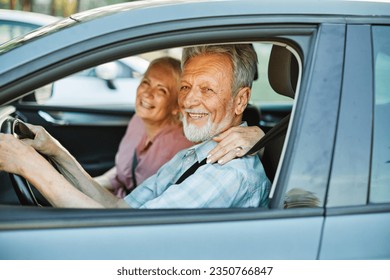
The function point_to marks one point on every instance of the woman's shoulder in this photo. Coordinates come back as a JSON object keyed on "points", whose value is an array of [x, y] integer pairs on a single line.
{"points": [[174, 135], [135, 121], [135, 125]]}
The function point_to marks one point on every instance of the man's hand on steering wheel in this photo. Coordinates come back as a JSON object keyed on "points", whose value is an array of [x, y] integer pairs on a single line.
{"points": [[13, 153], [19, 157], [43, 142]]}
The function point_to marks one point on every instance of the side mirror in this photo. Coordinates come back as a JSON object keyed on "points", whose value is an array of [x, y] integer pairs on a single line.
{"points": [[108, 72]]}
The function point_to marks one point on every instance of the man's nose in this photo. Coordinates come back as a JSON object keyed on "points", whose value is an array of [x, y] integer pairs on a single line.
{"points": [[192, 98]]}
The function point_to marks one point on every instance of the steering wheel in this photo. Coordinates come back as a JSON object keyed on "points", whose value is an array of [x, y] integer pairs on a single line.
{"points": [[21, 186]]}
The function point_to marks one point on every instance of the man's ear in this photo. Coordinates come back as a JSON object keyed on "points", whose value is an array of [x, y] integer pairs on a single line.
{"points": [[241, 100]]}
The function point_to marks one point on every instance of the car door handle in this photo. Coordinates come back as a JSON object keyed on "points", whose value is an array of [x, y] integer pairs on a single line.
{"points": [[50, 119], [60, 118]]}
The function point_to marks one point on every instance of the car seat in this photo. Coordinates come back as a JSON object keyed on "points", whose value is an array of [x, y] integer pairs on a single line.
{"points": [[283, 70], [283, 76], [251, 115]]}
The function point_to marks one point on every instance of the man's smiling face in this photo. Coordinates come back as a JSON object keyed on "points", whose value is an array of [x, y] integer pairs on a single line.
{"points": [[205, 97]]}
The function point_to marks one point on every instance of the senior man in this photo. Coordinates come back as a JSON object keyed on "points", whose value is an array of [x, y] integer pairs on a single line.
{"points": [[214, 92]]}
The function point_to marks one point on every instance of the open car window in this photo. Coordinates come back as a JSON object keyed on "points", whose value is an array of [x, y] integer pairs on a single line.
{"points": [[57, 104], [113, 84]]}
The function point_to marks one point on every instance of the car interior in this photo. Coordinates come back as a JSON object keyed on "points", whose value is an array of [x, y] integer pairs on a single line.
{"points": [[67, 124]]}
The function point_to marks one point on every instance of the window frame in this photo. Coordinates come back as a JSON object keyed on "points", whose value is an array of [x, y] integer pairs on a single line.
{"points": [[352, 152], [374, 128], [300, 37]]}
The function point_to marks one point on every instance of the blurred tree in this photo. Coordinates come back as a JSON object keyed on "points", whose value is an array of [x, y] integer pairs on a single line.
{"points": [[12, 4], [26, 5], [56, 7], [53, 7], [90, 4], [64, 8], [70, 7]]}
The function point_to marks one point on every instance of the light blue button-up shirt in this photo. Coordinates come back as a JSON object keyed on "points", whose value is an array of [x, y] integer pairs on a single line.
{"points": [[239, 183]]}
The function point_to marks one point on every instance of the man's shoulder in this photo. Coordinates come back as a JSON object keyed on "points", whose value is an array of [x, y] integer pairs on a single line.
{"points": [[245, 166], [244, 162], [240, 174]]}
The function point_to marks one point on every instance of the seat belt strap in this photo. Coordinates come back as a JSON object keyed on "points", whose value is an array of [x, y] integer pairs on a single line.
{"points": [[274, 132], [190, 171], [133, 167], [270, 135]]}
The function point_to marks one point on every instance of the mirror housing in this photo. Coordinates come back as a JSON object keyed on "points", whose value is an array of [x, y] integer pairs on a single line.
{"points": [[108, 72]]}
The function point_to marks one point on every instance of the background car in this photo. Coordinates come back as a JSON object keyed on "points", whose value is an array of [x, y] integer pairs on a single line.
{"points": [[16, 23], [111, 84], [329, 165]]}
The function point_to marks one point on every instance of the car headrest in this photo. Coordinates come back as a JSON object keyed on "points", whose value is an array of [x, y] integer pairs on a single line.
{"points": [[283, 71]]}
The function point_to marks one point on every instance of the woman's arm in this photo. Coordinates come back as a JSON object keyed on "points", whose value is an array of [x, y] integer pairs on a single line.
{"points": [[104, 179]]}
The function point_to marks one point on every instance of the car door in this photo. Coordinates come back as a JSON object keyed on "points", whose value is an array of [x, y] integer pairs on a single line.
{"points": [[274, 233], [358, 209]]}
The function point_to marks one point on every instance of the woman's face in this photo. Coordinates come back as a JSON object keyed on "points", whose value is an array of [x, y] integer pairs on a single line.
{"points": [[156, 101]]}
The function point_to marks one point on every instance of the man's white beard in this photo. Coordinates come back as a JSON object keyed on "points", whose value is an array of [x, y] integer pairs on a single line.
{"points": [[197, 134]]}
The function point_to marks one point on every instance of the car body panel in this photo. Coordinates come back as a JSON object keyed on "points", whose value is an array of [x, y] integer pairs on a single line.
{"points": [[263, 238], [356, 234]]}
